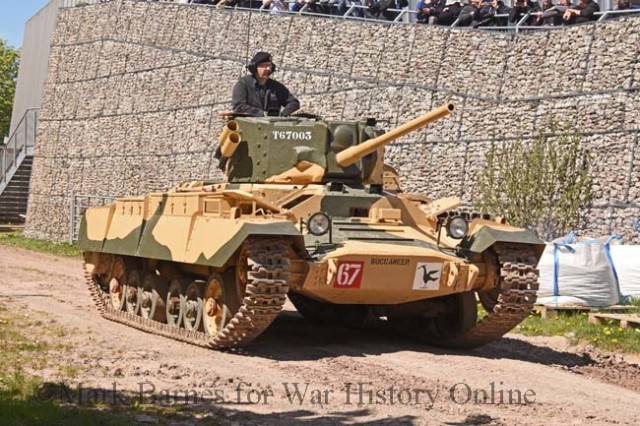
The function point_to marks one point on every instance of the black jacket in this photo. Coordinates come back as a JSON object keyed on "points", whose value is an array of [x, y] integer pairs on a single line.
{"points": [[467, 15], [249, 98], [587, 13], [449, 14]]}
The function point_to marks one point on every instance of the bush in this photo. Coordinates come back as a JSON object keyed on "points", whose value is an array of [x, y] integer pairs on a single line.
{"points": [[540, 185]]}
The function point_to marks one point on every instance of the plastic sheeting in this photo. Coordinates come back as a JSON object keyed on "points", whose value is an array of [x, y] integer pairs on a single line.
{"points": [[578, 272], [626, 260]]}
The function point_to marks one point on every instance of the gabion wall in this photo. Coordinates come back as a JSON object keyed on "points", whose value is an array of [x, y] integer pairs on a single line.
{"points": [[134, 89]]}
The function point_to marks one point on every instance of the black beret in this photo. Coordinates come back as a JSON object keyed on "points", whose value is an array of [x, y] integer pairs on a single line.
{"points": [[261, 57]]}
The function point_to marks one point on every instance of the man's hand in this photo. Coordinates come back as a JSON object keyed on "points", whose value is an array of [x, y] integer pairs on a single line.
{"points": [[569, 13]]}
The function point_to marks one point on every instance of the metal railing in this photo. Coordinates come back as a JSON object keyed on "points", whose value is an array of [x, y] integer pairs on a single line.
{"points": [[356, 11], [79, 203], [522, 26], [19, 145]]}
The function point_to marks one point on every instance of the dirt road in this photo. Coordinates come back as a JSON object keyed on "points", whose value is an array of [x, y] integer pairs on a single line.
{"points": [[298, 373]]}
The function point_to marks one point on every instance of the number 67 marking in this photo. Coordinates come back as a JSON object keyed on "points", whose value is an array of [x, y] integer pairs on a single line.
{"points": [[349, 274]]}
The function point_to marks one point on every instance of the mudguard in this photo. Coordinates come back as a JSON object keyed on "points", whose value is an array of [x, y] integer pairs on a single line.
{"points": [[487, 236]]}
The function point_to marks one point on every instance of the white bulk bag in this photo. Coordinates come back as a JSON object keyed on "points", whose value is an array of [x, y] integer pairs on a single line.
{"points": [[578, 272], [626, 260]]}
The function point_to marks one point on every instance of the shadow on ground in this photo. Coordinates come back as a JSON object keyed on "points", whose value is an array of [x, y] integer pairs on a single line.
{"points": [[292, 338]]}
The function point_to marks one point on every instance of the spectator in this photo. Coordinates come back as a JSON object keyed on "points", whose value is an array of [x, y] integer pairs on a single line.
{"points": [[468, 13], [323, 6], [521, 8], [428, 10], [249, 4], [583, 12], [450, 12], [502, 9], [295, 7], [314, 6], [358, 11], [337, 7], [540, 20], [553, 15], [372, 11], [626, 5], [384, 9], [486, 14], [274, 6]]}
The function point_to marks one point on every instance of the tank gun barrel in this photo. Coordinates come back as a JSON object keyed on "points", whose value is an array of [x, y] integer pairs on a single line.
{"points": [[351, 155]]}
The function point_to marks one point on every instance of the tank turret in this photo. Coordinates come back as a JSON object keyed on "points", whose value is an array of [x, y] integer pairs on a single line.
{"points": [[296, 150]]}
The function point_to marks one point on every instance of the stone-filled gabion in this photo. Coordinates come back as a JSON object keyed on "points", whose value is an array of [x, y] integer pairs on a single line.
{"points": [[134, 89]]}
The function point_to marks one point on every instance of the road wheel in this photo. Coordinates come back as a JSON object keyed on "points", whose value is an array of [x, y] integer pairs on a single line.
{"points": [[133, 291], [191, 301], [117, 283], [221, 303], [173, 307], [154, 293]]}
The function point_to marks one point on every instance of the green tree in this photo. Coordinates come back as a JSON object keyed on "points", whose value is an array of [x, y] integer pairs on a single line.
{"points": [[541, 184], [9, 60]]}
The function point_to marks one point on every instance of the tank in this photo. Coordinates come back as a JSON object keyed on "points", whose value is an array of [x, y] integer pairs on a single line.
{"points": [[308, 211]]}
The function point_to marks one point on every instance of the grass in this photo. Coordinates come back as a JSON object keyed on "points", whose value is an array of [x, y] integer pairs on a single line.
{"points": [[16, 239], [576, 327], [29, 344]]}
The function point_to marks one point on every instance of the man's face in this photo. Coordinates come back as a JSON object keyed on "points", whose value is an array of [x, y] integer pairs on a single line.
{"points": [[264, 70]]}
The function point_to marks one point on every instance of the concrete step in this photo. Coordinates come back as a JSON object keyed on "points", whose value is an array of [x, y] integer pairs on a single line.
{"points": [[13, 196], [13, 210], [20, 186]]}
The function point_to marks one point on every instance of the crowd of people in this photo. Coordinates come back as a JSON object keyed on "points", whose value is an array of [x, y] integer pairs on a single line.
{"points": [[475, 13], [482, 13]]}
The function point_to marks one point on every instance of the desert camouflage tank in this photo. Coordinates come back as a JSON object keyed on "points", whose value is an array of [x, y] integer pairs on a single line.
{"points": [[308, 210]]}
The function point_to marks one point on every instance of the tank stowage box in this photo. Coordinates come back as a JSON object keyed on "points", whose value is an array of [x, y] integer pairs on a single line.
{"points": [[310, 211]]}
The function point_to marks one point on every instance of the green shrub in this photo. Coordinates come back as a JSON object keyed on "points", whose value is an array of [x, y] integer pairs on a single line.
{"points": [[540, 185]]}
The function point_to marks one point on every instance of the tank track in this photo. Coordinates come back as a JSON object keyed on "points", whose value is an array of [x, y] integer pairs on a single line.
{"points": [[266, 290], [518, 281]]}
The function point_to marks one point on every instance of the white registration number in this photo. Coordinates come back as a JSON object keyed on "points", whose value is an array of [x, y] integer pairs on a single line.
{"points": [[291, 135]]}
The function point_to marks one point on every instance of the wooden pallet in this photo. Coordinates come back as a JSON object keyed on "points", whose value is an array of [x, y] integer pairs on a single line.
{"points": [[552, 311], [626, 321]]}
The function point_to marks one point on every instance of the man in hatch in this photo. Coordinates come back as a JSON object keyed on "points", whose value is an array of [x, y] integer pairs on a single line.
{"points": [[259, 95]]}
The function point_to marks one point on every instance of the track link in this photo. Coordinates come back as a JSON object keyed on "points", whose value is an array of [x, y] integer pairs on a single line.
{"points": [[266, 290], [519, 284]]}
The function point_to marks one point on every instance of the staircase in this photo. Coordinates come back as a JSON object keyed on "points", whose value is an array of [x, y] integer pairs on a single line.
{"points": [[16, 160], [13, 200]]}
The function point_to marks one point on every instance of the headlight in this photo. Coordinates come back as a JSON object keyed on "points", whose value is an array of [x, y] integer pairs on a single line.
{"points": [[457, 227], [318, 224]]}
